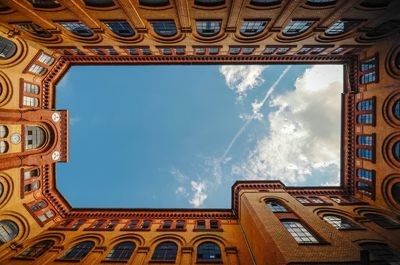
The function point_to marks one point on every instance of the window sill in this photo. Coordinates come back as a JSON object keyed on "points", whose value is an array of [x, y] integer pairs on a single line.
{"points": [[23, 258]]}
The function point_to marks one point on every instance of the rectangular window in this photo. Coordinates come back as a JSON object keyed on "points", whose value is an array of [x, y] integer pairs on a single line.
{"points": [[299, 232], [30, 101], [167, 224], [31, 88], [132, 224], [369, 70], [146, 224], [37, 69], [180, 224], [201, 224], [214, 224], [46, 59]]}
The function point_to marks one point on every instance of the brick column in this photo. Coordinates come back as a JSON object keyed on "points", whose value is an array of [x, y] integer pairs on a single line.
{"points": [[141, 255], [186, 257]]}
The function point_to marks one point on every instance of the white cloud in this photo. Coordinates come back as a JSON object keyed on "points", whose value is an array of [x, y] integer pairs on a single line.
{"points": [[199, 195], [181, 191], [304, 134], [242, 78]]}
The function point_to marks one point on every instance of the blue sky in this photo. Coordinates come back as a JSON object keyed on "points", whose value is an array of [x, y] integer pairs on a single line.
{"points": [[180, 136]]}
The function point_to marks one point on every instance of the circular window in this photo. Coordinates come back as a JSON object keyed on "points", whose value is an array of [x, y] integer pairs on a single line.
{"points": [[396, 192], [396, 151], [3, 146], [3, 131]]}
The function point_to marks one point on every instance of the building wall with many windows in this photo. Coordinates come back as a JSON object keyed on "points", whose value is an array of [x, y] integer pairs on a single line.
{"points": [[268, 223]]}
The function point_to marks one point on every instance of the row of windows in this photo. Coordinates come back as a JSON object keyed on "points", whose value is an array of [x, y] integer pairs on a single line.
{"points": [[198, 50], [312, 200], [165, 251], [366, 110], [144, 225], [206, 28], [369, 70], [41, 64]]}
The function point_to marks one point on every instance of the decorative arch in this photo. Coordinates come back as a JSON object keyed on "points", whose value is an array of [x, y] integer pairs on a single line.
{"points": [[22, 223], [98, 239], [389, 147], [20, 54], [7, 185], [388, 186], [392, 61], [168, 237]]}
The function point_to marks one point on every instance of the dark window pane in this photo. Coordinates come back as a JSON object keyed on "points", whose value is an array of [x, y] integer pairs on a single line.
{"points": [[164, 28], [154, 2], [99, 3], [208, 252], [79, 251], [121, 28], [165, 251], [123, 251], [45, 3], [37, 250]]}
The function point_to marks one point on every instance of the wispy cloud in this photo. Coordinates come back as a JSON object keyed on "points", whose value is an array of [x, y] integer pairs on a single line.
{"points": [[199, 196], [242, 78], [304, 132]]}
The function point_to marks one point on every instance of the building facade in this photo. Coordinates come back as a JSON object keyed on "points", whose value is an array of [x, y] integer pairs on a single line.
{"points": [[268, 223]]}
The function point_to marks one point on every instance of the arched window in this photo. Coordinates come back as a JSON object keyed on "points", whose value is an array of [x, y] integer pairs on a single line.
{"points": [[396, 151], [44, 3], [365, 140], [208, 251], [299, 232], [165, 251], [375, 3], [265, 2], [396, 192], [154, 2], [122, 252], [252, 27], [3, 147], [8, 231], [34, 137], [382, 221], [396, 106], [165, 28], [276, 207], [37, 250], [340, 222], [3, 131], [34, 29], [381, 252], [121, 28], [77, 28], [99, 3], [296, 27], [321, 2], [208, 28], [341, 26], [79, 251], [209, 2], [7, 48]]}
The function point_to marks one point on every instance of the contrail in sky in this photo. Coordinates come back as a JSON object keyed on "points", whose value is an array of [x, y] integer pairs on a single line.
{"points": [[261, 104]]}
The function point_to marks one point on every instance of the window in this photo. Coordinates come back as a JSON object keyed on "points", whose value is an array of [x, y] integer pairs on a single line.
{"points": [[3, 147], [365, 119], [364, 153], [282, 50], [167, 224], [303, 200], [28, 174], [38, 206], [365, 174], [365, 140], [165, 28], [32, 186], [146, 224], [37, 69], [338, 50], [304, 50], [99, 3], [79, 251], [7, 48], [138, 50], [97, 224], [396, 151], [165, 251], [252, 27], [121, 252], [383, 29], [34, 29], [336, 199], [47, 215], [111, 224], [121, 28], [8, 231], [209, 2], [44, 3], [214, 224], [396, 107], [154, 2], [208, 251], [31, 88], [132, 224], [341, 26], [340, 222], [365, 105], [316, 200], [317, 50], [276, 207], [382, 221], [64, 223], [208, 28], [77, 28], [180, 224], [241, 50], [396, 192], [265, 2], [45, 59], [299, 232], [34, 137], [78, 224], [364, 187], [321, 2], [37, 250], [296, 27], [368, 70], [3, 131], [381, 252], [201, 224], [206, 50]]}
